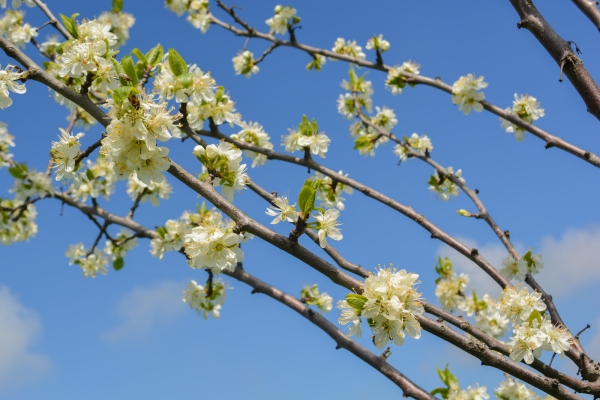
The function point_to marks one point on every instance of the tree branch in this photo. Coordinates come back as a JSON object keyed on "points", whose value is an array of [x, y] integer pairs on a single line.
{"points": [[551, 140], [590, 9], [53, 21], [560, 51]]}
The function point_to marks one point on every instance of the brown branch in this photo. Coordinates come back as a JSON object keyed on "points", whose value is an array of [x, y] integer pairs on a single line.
{"points": [[409, 388], [436, 233], [560, 51], [136, 203], [38, 74], [551, 140], [266, 53], [590, 9], [53, 21], [83, 154]]}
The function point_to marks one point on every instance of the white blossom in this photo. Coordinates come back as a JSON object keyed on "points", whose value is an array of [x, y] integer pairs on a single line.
{"points": [[443, 187], [282, 210], [244, 64], [396, 81], [421, 144], [327, 226], [280, 22], [8, 83], [253, 133], [207, 302], [464, 93], [349, 48]]}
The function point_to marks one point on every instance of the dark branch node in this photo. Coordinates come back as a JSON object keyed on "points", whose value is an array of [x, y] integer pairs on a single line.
{"points": [[474, 252], [571, 43], [583, 330]]}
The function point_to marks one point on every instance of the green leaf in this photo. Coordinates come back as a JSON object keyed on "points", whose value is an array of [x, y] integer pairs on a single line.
{"points": [[356, 301], [440, 390], [219, 94], [176, 62], [70, 24], [140, 55], [432, 181], [19, 171], [129, 69], [118, 264], [155, 54], [117, 6], [161, 231], [186, 79], [120, 94], [307, 196], [535, 315]]}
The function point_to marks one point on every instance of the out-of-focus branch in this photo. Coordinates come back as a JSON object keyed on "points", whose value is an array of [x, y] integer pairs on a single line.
{"points": [[551, 140], [590, 9], [560, 50]]}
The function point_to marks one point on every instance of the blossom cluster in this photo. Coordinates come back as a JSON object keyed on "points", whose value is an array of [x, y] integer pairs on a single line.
{"points": [[64, 153], [282, 210], [389, 302], [138, 121], [91, 263], [221, 162], [254, 134], [306, 137], [378, 43], [312, 296], [367, 137], [465, 93], [101, 180], [451, 293], [421, 144], [244, 64], [349, 48], [21, 229], [116, 249], [171, 235], [6, 142], [213, 244], [396, 79], [17, 3], [285, 18], [90, 53], [152, 192], [13, 28], [205, 300], [330, 193], [533, 330], [442, 186], [198, 13], [29, 183], [120, 22], [514, 390], [525, 107], [359, 87], [8, 83], [518, 269]]}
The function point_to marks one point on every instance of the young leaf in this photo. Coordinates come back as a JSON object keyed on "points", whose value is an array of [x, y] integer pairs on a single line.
{"points": [[121, 93], [186, 79], [155, 55], [118, 264], [140, 55], [357, 301], [535, 315], [176, 62], [129, 69], [19, 171], [117, 6]]}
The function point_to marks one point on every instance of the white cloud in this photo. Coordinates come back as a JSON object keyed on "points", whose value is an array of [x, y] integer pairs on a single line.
{"points": [[569, 262], [144, 307], [19, 327]]}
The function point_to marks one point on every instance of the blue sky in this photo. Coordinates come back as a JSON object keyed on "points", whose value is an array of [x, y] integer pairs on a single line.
{"points": [[128, 335]]}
